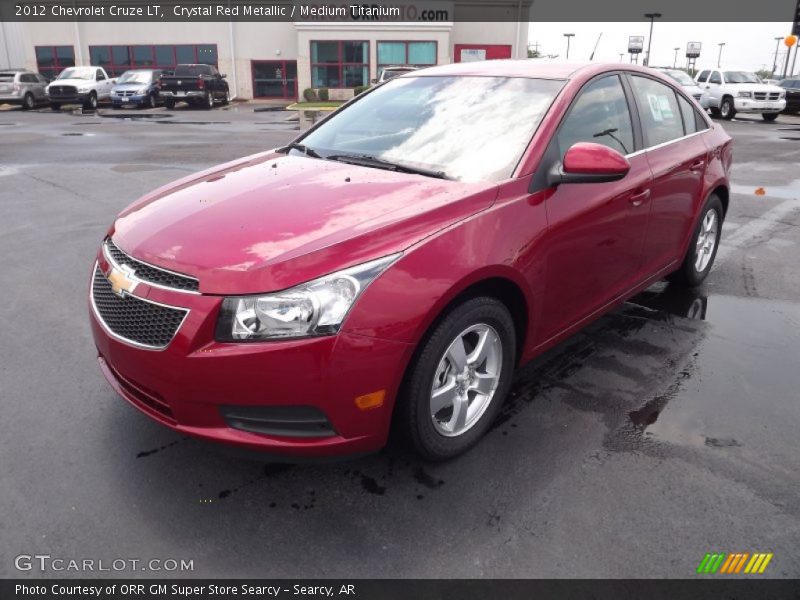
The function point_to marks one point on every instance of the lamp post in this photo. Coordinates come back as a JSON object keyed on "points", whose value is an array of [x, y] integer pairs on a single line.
{"points": [[775, 61], [621, 54], [675, 62], [568, 36], [652, 16], [719, 58]]}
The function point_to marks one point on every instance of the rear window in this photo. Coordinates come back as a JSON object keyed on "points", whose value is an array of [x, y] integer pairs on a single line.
{"points": [[6, 76], [192, 70]]}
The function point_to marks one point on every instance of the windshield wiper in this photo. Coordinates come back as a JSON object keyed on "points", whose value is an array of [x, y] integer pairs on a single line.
{"points": [[304, 149], [366, 160], [610, 133]]}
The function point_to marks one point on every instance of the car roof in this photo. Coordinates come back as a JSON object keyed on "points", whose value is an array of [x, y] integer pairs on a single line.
{"points": [[532, 68]]}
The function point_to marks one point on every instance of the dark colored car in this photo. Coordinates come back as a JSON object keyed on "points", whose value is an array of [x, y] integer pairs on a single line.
{"points": [[198, 85], [792, 87], [23, 87], [394, 264], [138, 87]]}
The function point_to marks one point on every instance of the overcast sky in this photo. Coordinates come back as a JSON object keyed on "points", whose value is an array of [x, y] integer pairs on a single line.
{"points": [[749, 46]]}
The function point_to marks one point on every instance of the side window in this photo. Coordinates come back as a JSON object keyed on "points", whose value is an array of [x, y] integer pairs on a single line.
{"points": [[658, 108], [100, 76], [600, 115], [699, 122], [687, 112], [715, 78], [26, 78], [703, 77], [41, 78]]}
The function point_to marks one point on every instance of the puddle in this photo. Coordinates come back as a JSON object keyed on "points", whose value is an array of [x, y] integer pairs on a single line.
{"points": [[790, 138], [134, 116], [76, 134]]}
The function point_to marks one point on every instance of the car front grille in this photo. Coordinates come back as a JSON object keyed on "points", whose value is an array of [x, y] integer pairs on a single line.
{"points": [[766, 96], [149, 273], [63, 90], [135, 320], [125, 93]]}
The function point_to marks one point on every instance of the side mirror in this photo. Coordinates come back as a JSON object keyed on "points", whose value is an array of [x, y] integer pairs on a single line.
{"points": [[587, 162]]}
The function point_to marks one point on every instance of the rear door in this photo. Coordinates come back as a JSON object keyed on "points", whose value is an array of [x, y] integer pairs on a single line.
{"points": [[677, 156], [595, 230]]}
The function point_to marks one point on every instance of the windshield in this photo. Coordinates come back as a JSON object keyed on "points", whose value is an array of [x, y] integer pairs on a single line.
{"points": [[741, 77], [136, 77], [469, 128], [77, 73], [681, 77]]}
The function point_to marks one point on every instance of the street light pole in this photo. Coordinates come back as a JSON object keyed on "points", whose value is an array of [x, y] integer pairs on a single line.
{"points": [[775, 61], [568, 36], [675, 62], [652, 16], [719, 58]]}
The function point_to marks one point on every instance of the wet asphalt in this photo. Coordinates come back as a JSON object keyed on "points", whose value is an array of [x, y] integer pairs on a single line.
{"points": [[665, 430]]}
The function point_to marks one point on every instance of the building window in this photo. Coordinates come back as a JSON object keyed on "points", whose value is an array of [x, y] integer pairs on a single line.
{"points": [[51, 60], [416, 54], [118, 59], [339, 64]]}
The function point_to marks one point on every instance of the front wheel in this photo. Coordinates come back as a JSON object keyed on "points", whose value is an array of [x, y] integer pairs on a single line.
{"points": [[726, 109], [769, 117], [703, 247], [169, 103], [459, 379], [28, 101], [151, 101], [91, 102]]}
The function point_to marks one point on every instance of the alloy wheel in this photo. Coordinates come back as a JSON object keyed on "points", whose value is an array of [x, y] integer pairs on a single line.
{"points": [[706, 241], [466, 380]]}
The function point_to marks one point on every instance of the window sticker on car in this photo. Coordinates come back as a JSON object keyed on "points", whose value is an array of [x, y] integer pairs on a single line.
{"points": [[666, 109], [655, 107]]}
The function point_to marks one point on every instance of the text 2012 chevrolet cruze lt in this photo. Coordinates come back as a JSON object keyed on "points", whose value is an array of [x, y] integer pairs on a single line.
{"points": [[394, 264]]}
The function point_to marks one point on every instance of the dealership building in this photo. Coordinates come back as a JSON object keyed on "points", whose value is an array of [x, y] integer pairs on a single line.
{"points": [[276, 60]]}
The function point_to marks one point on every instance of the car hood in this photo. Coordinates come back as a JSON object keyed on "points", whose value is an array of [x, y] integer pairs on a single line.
{"points": [[131, 86], [756, 87], [693, 89], [75, 82], [272, 221]]}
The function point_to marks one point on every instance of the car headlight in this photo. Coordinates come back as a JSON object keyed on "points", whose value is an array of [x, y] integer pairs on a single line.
{"points": [[782, 95], [310, 309], [141, 91], [744, 94]]}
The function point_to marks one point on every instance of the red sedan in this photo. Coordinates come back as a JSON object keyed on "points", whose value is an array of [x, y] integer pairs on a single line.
{"points": [[394, 264]]}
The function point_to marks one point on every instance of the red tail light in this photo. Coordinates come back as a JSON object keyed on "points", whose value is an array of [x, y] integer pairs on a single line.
{"points": [[200, 84], [17, 87]]}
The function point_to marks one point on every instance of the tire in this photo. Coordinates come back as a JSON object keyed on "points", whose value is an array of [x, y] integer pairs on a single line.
{"points": [[55, 106], [91, 102], [169, 103], [693, 271], [208, 101], [151, 101], [726, 109], [442, 435], [714, 112], [28, 102], [769, 117]]}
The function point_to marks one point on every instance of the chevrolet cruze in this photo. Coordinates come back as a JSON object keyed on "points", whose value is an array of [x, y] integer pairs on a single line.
{"points": [[393, 265]]}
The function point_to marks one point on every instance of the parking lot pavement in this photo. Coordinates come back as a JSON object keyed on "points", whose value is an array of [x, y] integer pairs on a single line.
{"points": [[666, 430]]}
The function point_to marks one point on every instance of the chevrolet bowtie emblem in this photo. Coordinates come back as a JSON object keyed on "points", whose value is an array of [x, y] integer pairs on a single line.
{"points": [[122, 280]]}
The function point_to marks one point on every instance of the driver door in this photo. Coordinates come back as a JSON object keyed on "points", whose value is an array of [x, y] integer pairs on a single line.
{"points": [[596, 231]]}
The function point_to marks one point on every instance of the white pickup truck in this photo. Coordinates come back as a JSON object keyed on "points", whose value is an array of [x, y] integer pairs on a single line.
{"points": [[729, 92], [80, 85]]}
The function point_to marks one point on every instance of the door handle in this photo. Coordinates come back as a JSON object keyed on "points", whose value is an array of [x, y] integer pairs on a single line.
{"points": [[638, 198], [697, 165]]}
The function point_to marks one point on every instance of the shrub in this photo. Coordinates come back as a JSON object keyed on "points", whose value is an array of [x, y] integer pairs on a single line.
{"points": [[309, 95], [322, 93], [360, 89]]}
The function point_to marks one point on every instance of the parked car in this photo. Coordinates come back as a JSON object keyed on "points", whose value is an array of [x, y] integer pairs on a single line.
{"points": [[396, 262], [80, 85], [137, 87], [730, 92], [792, 87], [198, 85], [688, 84], [392, 72], [23, 87]]}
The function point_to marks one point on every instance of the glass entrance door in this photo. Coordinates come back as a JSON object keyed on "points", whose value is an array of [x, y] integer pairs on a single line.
{"points": [[274, 79]]}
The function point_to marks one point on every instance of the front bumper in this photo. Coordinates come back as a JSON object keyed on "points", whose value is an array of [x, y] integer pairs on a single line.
{"points": [[126, 100], [187, 385], [69, 99], [748, 105]]}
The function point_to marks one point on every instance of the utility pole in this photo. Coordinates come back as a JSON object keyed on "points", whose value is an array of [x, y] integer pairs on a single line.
{"points": [[775, 61], [675, 62], [719, 58], [621, 54], [568, 36], [652, 16]]}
